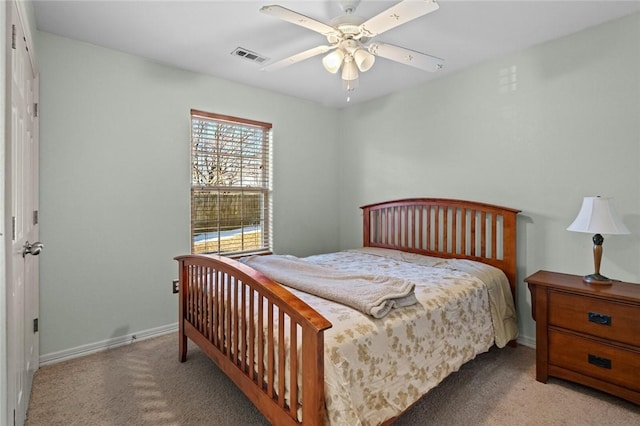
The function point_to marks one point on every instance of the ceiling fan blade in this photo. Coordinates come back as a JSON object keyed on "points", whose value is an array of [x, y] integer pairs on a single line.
{"points": [[297, 58], [298, 19], [406, 56], [398, 14]]}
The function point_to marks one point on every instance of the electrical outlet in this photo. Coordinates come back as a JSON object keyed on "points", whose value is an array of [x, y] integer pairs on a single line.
{"points": [[175, 286]]}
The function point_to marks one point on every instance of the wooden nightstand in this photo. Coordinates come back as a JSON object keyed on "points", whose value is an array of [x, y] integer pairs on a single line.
{"points": [[586, 333]]}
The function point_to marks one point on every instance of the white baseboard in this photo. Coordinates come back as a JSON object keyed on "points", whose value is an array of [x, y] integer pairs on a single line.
{"points": [[527, 341], [91, 348]]}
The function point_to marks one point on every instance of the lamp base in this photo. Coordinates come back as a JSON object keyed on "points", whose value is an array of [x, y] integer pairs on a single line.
{"points": [[596, 279]]}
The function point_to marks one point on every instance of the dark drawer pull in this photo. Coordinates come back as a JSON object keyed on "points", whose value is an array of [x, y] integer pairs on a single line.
{"points": [[599, 318], [599, 361]]}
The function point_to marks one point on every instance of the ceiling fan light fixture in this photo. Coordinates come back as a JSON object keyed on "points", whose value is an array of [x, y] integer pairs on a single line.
{"points": [[333, 61], [363, 59], [348, 34]]}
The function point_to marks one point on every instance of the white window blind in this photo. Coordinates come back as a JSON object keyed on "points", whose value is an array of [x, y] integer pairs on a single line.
{"points": [[230, 184]]}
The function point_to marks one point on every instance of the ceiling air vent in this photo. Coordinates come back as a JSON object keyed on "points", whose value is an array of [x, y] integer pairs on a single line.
{"points": [[249, 55]]}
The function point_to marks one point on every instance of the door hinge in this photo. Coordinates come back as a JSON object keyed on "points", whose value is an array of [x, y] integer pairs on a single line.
{"points": [[13, 36], [35, 217], [35, 325], [13, 228], [35, 109]]}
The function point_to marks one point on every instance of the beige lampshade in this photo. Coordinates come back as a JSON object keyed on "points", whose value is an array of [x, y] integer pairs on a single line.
{"points": [[598, 216]]}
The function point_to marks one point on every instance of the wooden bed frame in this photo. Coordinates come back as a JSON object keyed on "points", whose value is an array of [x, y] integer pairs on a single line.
{"points": [[220, 297]]}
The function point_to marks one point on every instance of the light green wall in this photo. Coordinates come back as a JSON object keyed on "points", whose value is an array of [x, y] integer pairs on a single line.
{"points": [[115, 173], [115, 184], [537, 130]]}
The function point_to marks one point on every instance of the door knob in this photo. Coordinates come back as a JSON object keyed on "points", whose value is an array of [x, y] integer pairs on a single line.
{"points": [[32, 248]]}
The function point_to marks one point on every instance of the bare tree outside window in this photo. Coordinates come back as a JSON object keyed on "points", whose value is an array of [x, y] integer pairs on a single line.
{"points": [[230, 184]]}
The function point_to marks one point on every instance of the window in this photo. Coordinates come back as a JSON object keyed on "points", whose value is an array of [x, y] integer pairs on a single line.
{"points": [[230, 184]]}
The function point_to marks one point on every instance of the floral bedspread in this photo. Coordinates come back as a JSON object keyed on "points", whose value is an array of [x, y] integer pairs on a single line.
{"points": [[376, 368]]}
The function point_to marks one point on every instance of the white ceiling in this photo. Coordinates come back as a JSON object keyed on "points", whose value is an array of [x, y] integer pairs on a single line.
{"points": [[200, 36]]}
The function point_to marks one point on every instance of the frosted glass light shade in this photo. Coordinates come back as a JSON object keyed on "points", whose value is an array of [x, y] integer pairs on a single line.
{"points": [[333, 61], [598, 216], [349, 74], [349, 70], [364, 60]]}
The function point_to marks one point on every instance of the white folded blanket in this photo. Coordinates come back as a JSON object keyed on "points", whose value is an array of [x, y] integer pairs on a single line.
{"points": [[374, 295]]}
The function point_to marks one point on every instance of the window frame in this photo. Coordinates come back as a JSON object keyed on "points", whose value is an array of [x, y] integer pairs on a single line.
{"points": [[262, 187]]}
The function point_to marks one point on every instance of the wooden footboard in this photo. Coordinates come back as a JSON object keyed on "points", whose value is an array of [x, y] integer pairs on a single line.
{"points": [[256, 332]]}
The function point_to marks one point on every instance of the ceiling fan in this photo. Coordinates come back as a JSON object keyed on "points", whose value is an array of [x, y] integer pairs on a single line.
{"points": [[348, 36]]}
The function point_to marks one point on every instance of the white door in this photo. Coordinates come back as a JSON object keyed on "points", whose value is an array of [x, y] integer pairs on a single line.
{"points": [[23, 246]]}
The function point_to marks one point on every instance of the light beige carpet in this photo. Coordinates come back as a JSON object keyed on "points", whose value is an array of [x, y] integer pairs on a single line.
{"points": [[144, 384]]}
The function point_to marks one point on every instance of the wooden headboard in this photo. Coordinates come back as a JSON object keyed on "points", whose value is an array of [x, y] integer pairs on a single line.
{"points": [[445, 228]]}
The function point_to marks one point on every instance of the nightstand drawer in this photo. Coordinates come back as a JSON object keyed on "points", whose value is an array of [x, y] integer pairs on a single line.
{"points": [[606, 319], [605, 362]]}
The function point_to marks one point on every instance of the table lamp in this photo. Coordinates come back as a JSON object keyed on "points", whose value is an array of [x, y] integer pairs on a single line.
{"points": [[598, 216]]}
